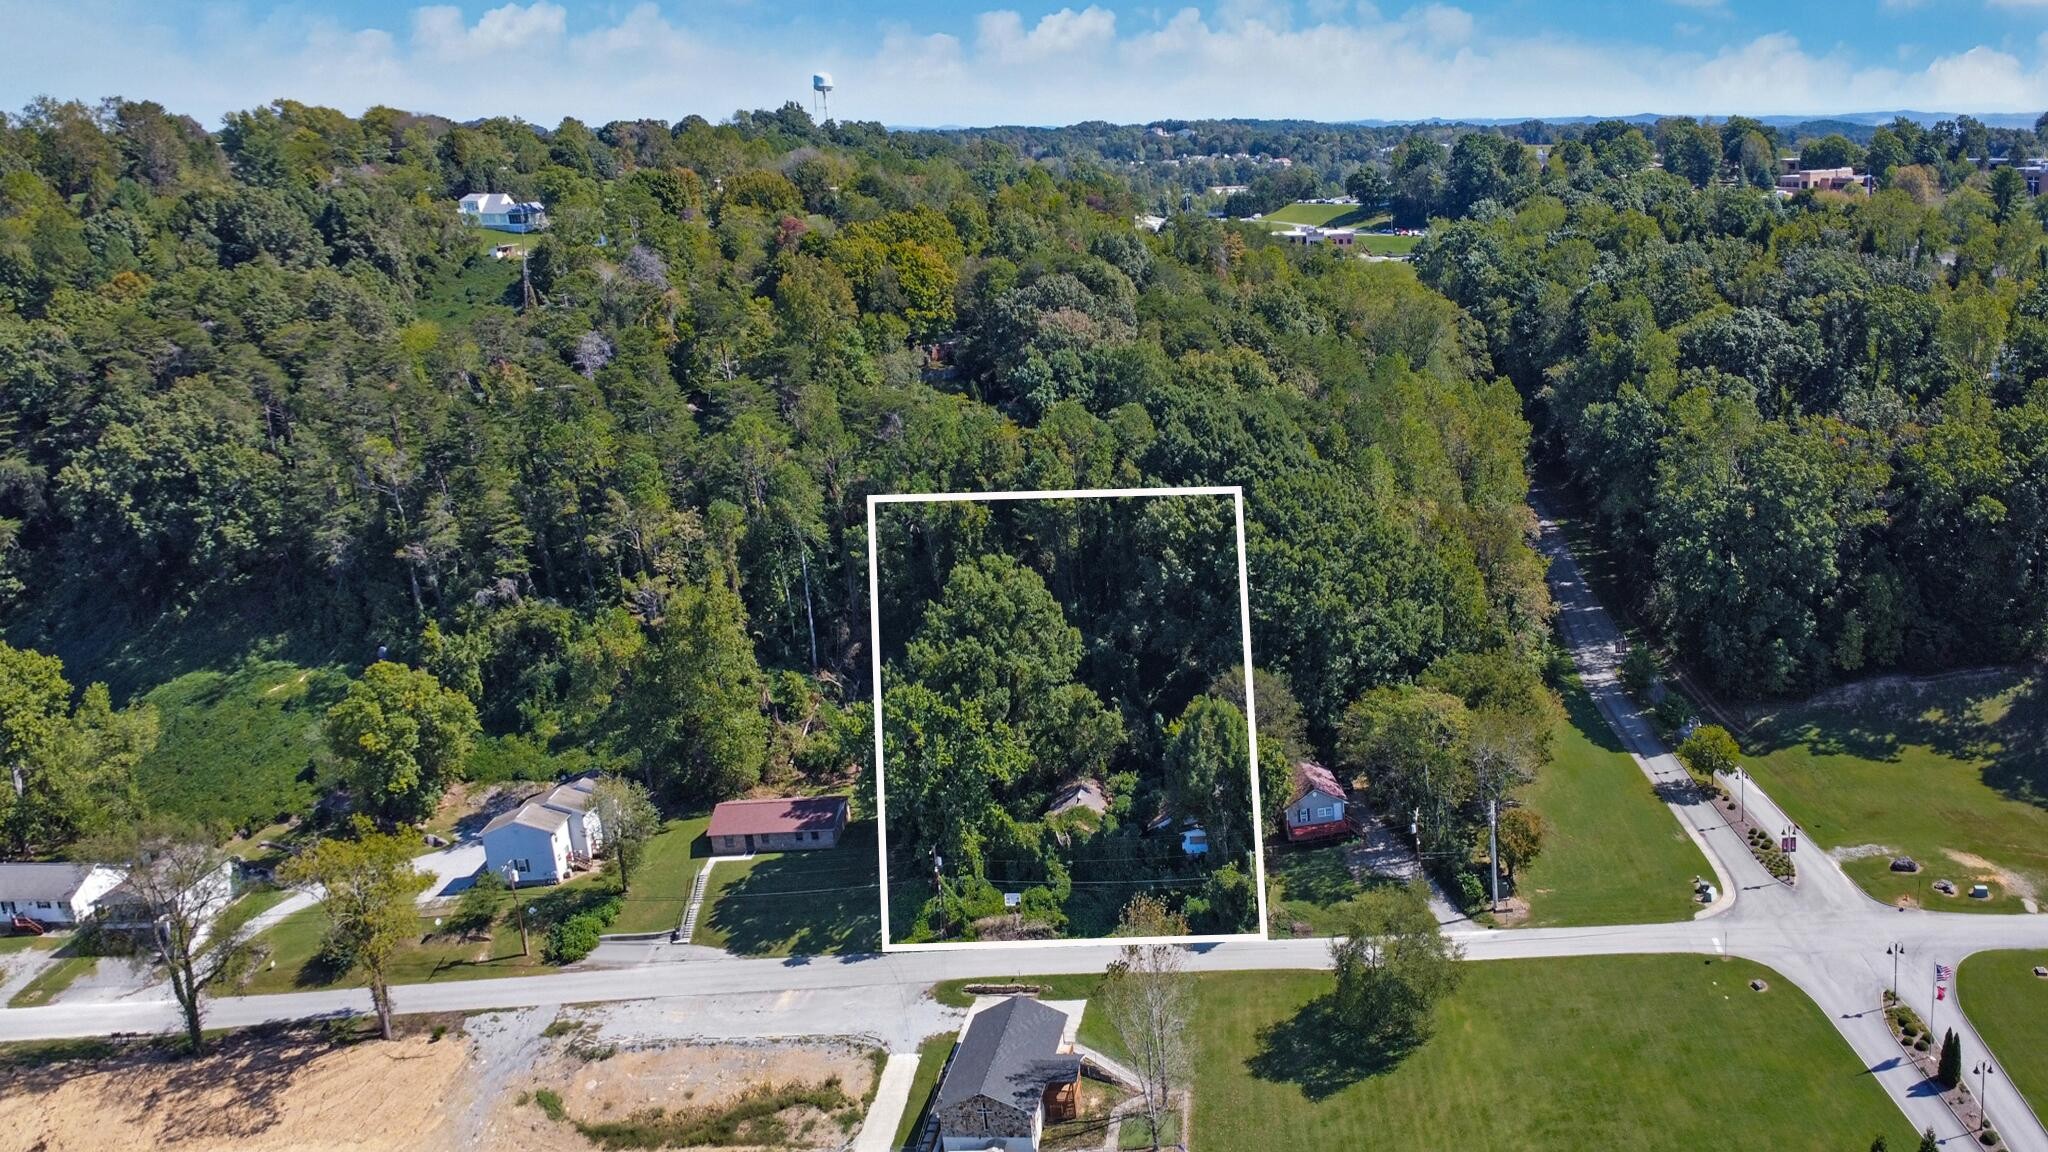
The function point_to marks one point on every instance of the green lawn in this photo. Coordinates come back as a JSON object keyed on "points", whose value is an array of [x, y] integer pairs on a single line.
{"points": [[661, 885], [1136, 1131], [1380, 245], [796, 903], [1325, 216], [1309, 886], [459, 295], [247, 907], [1613, 853], [1625, 1052], [242, 746], [2009, 1006], [26, 942], [931, 1058], [294, 942], [55, 977], [1960, 770]]}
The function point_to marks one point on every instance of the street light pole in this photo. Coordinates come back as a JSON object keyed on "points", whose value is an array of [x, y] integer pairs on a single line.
{"points": [[1895, 951], [1493, 848], [1983, 1071], [1741, 795]]}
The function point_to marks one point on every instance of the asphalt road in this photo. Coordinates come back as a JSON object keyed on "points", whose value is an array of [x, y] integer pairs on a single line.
{"points": [[1823, 935]]}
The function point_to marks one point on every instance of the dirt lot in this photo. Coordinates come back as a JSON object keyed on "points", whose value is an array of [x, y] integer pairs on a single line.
{"points": [[478, 1086]]}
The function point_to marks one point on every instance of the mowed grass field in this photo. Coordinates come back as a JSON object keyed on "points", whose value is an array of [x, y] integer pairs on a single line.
{"points": [[1625, 1052], [1954, 774], [797, 903], [1613, 853], [1326, 215], [660, 888], [2009, 1006]]}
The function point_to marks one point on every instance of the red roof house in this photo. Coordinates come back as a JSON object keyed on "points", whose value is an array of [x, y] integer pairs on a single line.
{"points": [[1318, 807], [777, 824]]}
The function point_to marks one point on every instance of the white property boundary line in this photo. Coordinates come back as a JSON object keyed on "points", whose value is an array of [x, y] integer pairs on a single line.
{"points": [[1244, 616]]}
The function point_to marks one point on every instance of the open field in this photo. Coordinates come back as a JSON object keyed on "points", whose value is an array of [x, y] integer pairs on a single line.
{"points": [[1613, 854], [661, 885], [796, 903], [243, 746], [1326, 215], [1532, 1055], [1388, 245], [1952, 773], [2009, 1006]]}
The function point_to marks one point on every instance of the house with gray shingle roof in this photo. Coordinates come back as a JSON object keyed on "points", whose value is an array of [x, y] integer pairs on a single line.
{"points": [[1007, 1078], [55, 894]]}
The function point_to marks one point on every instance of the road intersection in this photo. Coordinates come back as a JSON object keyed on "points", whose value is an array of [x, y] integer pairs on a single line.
{"points": [[1823, 935]]}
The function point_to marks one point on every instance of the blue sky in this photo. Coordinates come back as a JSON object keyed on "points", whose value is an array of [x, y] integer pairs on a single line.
{"points": [[928, 62]]}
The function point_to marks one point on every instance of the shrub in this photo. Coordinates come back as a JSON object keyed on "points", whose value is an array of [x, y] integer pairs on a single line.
{"points": [[550, 1102], [1471, 890], [572, 939]]}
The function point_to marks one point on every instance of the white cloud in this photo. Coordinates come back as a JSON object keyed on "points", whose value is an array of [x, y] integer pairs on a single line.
{"points": [[543, 60]]}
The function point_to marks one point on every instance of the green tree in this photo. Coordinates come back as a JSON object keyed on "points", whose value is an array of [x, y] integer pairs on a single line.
{"points": [[366, 886], [1393, 966], [65, 772], [1949, 1069], [1207, 763], [1369, 185], [1831, 151], [178, 881], [628, 819], [1408, 743], [403, 737], [1148, 996], [1522, 832], [1928, 1141], [1708, 751], [691, 705], [1694, 152]]}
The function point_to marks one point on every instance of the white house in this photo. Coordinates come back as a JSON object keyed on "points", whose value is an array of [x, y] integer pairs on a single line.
{"points": [[205, 900], [501, 213], [586, 831], [55, 894], [532, 839]]}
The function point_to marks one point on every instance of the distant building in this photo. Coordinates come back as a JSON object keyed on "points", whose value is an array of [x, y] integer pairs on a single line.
{"points": [[1009, 1076], [779, 824], [1310, 234], [501, 213], [55, 895], [204, 900], [1317, 809], [1824, 179], [1149, 223], [1087, 794]]}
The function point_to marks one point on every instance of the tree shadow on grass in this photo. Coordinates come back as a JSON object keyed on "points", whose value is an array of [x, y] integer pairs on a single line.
{"points": [[803, 903], [1313, 1051]]}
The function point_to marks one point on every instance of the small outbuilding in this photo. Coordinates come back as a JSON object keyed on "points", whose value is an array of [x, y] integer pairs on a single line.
{"points": [[777, 824]]}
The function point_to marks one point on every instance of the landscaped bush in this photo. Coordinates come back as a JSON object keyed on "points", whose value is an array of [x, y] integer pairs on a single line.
{"points": [[576, 937]]}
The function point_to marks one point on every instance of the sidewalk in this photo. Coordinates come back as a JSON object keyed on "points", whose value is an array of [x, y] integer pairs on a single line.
{"points": [[892, 1095]]}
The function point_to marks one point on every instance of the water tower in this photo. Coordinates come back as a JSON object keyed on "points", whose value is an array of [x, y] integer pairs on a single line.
{"points": [[821, 83]]}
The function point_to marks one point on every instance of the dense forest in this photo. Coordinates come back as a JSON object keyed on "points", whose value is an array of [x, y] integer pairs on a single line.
{"points": [[263, 393], [261, 389], [1062, 695]]}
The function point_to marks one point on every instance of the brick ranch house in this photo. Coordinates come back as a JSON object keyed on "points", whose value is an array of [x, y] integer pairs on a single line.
{"points": [[777, 824]]}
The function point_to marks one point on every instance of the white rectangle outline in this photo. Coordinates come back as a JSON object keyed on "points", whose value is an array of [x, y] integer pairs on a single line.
{"points": [[1251, 716]]}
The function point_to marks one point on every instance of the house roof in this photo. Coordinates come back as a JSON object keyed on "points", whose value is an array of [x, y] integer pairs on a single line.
{"points": [[1087, 794], [573, 796], [777, 814], [1010, 1053], [1310, 776], [531, 815], [52, 882]]}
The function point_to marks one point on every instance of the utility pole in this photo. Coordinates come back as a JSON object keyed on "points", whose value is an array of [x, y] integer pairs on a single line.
{"points": [[519, 906], [1493, 848]]}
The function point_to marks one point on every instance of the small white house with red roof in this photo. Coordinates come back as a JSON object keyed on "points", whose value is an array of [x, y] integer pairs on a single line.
{"points": [[1318, 808], [777, 824]]}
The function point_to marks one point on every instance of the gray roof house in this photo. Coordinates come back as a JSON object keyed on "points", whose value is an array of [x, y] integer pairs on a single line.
{"points": [[55, 894], [1007, 1078], [531, 839]]}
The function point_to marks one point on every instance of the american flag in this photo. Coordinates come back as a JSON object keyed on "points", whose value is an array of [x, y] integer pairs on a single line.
{"points": [[1944, 972]]}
